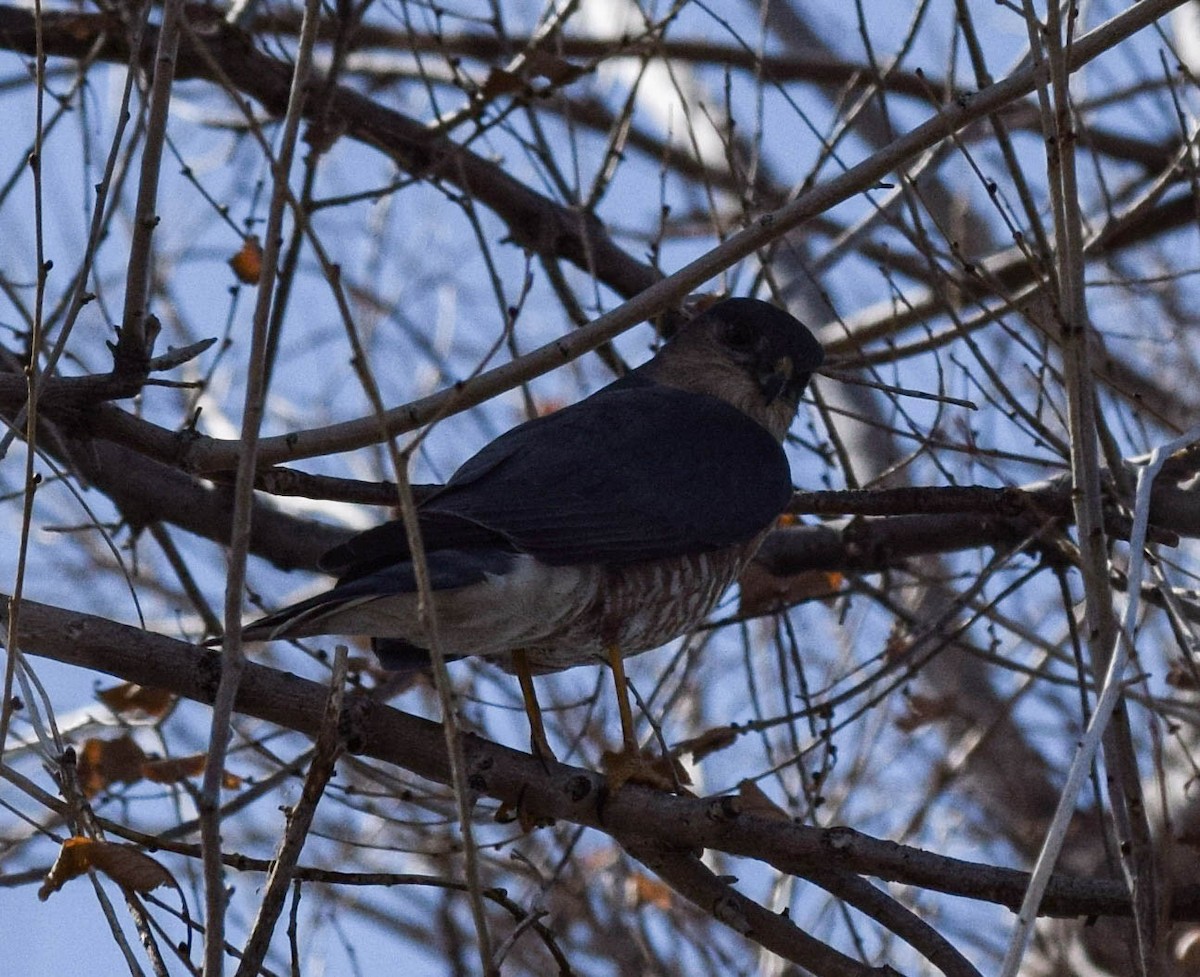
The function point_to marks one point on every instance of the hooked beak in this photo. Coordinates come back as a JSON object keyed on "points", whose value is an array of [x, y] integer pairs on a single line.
{"points": [[775, 381]]}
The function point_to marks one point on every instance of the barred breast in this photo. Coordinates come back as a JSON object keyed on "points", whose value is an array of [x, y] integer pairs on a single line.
{"points": [[641, 606]]}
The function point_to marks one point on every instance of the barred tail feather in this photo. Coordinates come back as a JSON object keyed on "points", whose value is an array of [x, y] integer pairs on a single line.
{"points": [[302, 620]]}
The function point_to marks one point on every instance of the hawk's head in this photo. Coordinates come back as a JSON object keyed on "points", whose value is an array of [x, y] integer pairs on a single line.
{"points": [[746, 352]]}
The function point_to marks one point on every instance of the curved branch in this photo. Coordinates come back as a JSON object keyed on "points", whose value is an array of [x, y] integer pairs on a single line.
{"points": [[561, 792], [216, 50], [714, 895]]}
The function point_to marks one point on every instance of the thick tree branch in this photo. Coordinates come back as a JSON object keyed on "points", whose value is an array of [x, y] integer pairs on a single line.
{"points": [[561, 792], [691, 878], [534, 221], [214, 51]]}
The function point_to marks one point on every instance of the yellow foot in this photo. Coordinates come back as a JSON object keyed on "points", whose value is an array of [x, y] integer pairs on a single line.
{"points": [[540, 748], [509, 812], [631, 765]]}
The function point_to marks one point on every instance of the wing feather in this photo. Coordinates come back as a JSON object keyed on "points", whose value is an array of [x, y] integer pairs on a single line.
{"points": [[635, 472]]}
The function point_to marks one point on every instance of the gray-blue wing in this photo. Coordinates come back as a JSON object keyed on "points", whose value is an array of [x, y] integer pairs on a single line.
{"points": [[636, 472]]}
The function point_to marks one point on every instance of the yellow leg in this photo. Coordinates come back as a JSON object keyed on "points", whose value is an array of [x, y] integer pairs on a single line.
{"points": [[630, 764], [537, 730], [628, 733]]}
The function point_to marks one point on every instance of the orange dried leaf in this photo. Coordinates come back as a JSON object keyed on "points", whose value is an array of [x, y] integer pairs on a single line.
{"points": [[899, 643], [247, 263], [102, 763], [175, 769], [74, 858], [129, 699], [501, 82], [762, 591], [128, 867], [648, 891]]}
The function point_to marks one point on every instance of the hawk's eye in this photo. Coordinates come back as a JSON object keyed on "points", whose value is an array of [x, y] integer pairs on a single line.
{"points": [[740, 335]]}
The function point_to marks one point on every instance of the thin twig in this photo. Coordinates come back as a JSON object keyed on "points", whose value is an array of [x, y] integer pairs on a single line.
{"points": [[32, 377], [136, 340], [697, 883], [1076, 340], [328, 749], [895, 918], [233, 658], [1110, 695], [209, 454], [860, 381]]}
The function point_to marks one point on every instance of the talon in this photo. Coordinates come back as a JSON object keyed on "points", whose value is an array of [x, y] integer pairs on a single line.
{"points": [[626, 766], [541, 751], [631, 764], [508, 812]]}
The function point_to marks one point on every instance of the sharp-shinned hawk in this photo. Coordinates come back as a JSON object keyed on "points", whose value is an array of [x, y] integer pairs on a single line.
{"points": [[599, 531]]}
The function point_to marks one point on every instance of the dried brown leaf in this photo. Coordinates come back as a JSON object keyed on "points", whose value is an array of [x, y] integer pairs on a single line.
{"points": [[73, 860], [247, 263], [556, 70], [132, 700], [128, 867], [899, 642], [762, 591], [754, 801], [643, 890], [102, 763], [501, 82], [175, 769]]}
